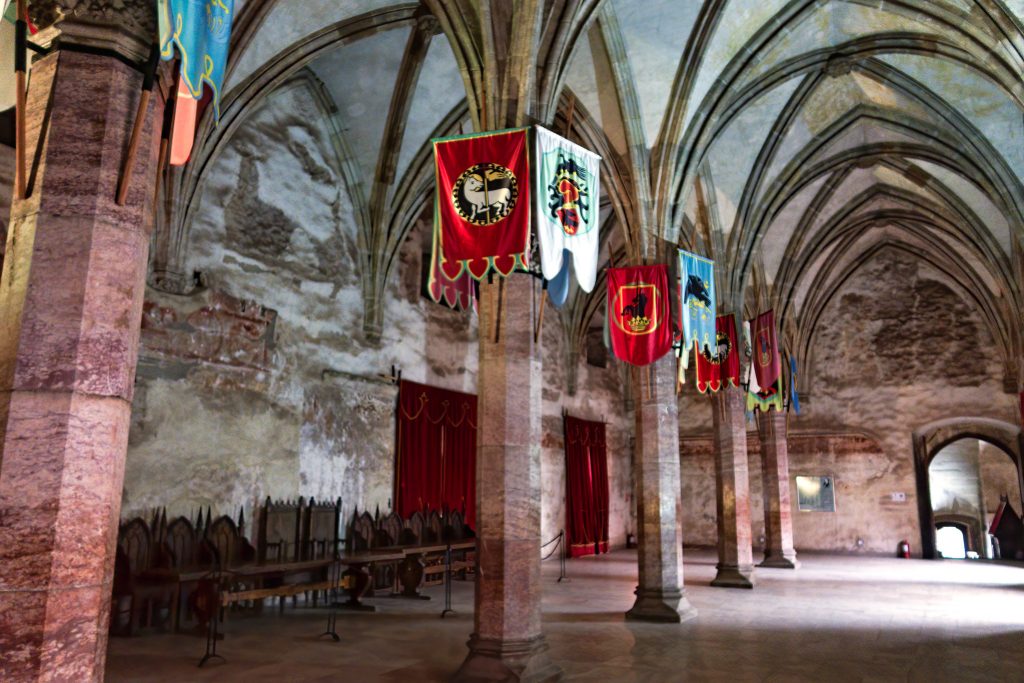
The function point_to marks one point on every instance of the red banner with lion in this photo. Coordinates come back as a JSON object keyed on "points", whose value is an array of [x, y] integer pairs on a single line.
{"points": [[482, 217]]}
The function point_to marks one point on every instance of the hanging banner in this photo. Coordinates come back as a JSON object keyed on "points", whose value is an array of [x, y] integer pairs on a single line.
{"points": [[766, 392], [558, 286], [724, 365], [638, 306], [697, 301], [482, 205], [459, 293], [794, 399], [201, 32], [568, 202]]}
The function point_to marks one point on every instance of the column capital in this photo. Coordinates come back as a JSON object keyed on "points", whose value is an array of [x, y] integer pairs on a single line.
{"points": [[125, 27]]}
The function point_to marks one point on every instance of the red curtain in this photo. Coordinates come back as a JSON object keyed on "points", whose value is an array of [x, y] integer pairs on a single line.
{"points": [[586, 487], [436, 451]]}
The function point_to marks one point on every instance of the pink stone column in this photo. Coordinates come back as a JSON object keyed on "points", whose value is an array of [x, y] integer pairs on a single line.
{"points": [[70, 308], [735, 553], [659, 594], [507, 643], [778, 513]]}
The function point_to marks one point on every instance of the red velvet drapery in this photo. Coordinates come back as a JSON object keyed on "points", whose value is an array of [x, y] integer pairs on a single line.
{"points": [[436, 451], [586, 487]]}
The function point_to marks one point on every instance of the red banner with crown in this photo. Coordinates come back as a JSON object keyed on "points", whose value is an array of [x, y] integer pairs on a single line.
{"points": [[638, 310], [482, 217], [724, 365]]}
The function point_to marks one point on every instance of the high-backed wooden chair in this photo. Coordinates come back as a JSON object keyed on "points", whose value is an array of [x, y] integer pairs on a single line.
{"points": [[434, 532], [361, 533], [229, 546], [320, 529], [412, 531], [387, 534], [280, 526], [140, 587]]}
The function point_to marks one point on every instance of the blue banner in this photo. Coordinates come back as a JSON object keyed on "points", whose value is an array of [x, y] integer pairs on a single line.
{"points": [[201, 30], [558, 286], [794, 400], [697, 309]]}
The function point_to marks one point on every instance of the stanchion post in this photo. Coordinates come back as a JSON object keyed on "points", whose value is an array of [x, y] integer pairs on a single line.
{"points": [[447, 582]]}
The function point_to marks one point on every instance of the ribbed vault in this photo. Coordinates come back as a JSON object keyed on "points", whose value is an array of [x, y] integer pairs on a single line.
{"points": [[791, 140]]}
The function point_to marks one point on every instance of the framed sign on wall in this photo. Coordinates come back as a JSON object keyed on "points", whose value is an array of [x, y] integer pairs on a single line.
{"points": [[816, 493]]}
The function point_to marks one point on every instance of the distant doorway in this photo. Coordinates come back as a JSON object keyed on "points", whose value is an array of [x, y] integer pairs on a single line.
{"points": [[969, 478], [951, 542]]}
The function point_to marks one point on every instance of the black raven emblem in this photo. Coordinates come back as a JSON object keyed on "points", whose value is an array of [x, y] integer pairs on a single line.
{"points": [[696, 288]]}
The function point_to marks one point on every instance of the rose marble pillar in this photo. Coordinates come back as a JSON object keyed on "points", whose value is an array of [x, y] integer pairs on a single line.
{"points": [[507, 643], [70, 308], [735, 553], [778, 515], [659, 594]]}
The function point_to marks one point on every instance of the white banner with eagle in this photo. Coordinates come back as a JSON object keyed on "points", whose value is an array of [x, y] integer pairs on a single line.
{"points": [[568, 207]]}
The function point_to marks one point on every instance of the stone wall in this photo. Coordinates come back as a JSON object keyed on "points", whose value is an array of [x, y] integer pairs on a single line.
{"points": [[261, 383]]}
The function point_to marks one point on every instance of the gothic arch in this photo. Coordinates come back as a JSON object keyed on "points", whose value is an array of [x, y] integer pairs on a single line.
{"points": [[933, 437]]}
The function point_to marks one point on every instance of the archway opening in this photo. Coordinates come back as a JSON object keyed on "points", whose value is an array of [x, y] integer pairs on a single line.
{"points": [[975, 501], [951, 541]]}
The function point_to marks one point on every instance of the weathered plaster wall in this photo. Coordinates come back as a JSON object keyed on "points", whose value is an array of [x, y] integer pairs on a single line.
{"points": [[233, 403], [896, 349], [276, 231]]}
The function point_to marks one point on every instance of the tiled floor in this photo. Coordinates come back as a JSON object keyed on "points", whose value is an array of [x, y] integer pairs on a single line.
{"points": [[835, 619]]}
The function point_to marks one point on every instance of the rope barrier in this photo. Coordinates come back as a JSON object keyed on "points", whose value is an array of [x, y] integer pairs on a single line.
{"points": [[560, 540]]}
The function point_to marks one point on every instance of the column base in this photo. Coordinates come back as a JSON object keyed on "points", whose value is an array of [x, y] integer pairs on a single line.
{"points": [[780, 561], [733, 576], [662, 607], [516, 661]]}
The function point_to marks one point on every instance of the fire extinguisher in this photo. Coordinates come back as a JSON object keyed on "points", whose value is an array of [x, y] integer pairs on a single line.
{"points": [[903, 549]]}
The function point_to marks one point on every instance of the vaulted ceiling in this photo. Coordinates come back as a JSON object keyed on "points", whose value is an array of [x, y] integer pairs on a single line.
{"points": [[791, 140]]}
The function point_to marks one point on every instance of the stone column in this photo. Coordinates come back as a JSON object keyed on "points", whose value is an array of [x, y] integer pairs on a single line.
{"points": [[70, 308], [507, 643], [735, 554], [778, 513], [659, 595]]}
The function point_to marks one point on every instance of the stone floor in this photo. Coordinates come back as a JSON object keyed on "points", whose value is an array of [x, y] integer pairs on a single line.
{"points": [[835, 619]]}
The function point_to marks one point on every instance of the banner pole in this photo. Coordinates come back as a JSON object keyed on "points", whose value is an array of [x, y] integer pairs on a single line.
{"points": [[540, 314], [140, 119], [569, 117], [497, 318], [20, 67]]}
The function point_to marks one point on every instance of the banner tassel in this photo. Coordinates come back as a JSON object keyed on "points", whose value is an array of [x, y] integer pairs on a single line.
{"points": [[140, 119]]}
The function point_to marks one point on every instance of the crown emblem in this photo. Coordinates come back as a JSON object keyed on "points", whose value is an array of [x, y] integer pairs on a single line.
{"points": [[639, 323]]}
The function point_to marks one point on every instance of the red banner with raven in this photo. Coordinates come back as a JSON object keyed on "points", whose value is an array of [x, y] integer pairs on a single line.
{"points": [[482, 216], [638, 310], [724, 365]]}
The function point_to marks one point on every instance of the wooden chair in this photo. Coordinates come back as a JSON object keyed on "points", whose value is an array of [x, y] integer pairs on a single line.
{"points": [[387, 535], [187, 557], [139, 585], [455, 530], [412, 531], [280, 526], [318, 538], [320, 529], [361, 533], [433, 533]]}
